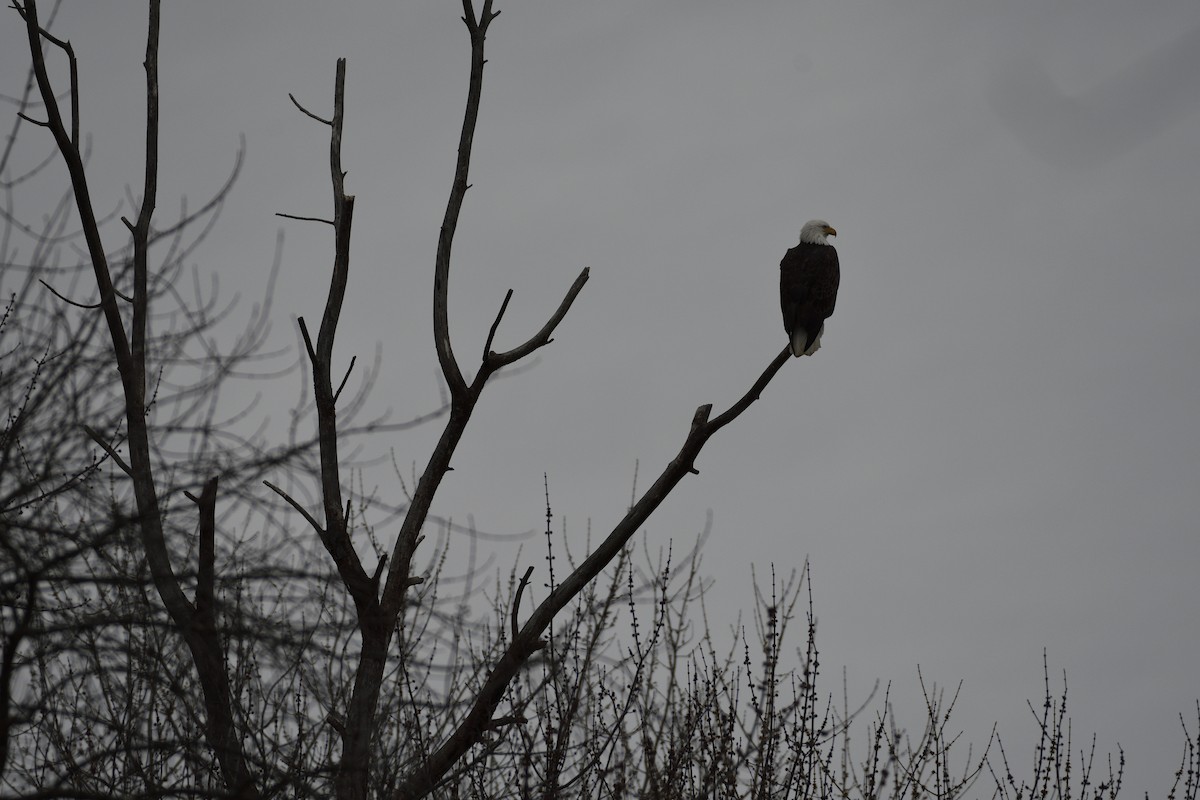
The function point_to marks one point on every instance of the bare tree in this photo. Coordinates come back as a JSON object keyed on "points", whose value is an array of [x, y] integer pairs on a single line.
{"points": [[91, 675], [379, 613], [378, 597], [218, 657]]}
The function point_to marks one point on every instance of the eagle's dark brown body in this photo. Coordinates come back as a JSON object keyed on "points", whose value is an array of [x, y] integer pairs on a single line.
{"points": [[808, 285]]}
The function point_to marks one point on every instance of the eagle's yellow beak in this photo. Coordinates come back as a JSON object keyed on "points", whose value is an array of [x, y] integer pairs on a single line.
{"points": [[829, 231]]}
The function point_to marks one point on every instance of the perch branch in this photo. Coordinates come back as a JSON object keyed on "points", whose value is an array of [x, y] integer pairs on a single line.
{"points": [[421, 780]]}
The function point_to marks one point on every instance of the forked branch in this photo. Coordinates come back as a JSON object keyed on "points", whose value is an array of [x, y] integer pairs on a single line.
{"points": [[493, 361], [478, 27], [334, 533], [464, 396], [375, 629], [428, 774]]}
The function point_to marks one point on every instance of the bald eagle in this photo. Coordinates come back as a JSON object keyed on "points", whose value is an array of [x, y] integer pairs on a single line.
{"points": [[808, 284]]}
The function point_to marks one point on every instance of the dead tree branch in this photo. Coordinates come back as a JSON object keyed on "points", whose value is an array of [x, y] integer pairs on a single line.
{"points": [[352, 771], [422, 780], [334, 534], [378, 612], [458, 190], [464, 396]]}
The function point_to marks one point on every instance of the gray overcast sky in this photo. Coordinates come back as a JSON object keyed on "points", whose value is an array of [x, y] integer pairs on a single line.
{"points": [[997, 449]]}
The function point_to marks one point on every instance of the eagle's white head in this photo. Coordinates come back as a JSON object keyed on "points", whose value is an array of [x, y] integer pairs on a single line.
{"points": [[815, 231]]}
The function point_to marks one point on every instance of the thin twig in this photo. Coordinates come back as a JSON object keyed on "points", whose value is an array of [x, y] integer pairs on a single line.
{"points": [[303, 219], [517, 599], [32, 121], [308, 345], [68, 300], [290, 501], [95, 437], [342, 385], [322, 120], [487, 346]]}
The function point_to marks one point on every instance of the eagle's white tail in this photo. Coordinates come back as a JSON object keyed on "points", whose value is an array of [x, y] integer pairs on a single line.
{"points": [[800, 336]]}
